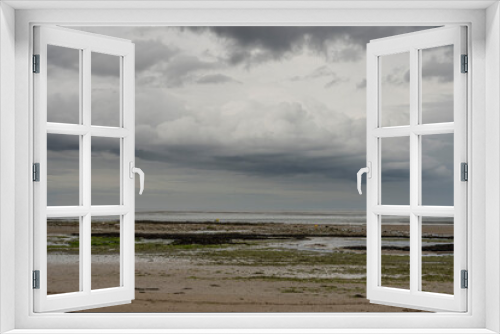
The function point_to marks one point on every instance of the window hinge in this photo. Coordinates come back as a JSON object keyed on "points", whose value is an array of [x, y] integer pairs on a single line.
{"points": [[464, 279], [36, 279], [36, 63], [36, 172], [464, 171], [465, 64]]}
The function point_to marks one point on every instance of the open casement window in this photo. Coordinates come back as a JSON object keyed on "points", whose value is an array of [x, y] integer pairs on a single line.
{"points": [[416, 147], [83, 126]]}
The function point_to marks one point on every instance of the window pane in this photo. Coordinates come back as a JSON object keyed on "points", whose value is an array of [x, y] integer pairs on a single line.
{"points": [[395, 171], [105, 90], [63, 85], [63, 170], [395, 244], [437, 169], [63, 255], [395, 89], [105, 171], [105, 252], [437, 84], [437, 254]]}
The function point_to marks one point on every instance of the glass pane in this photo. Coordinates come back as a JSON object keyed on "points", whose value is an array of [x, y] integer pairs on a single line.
{"points": [[395, 89], [437, 169], [63, 85], [63, 255], [105, 171], [437, 254], [63, 170], [395, 244], [105, 90], [395, 171], [105, 252], [437, 84]]}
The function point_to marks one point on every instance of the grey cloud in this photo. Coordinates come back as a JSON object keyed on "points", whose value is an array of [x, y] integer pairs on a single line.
{"points": [[335, 81], [62, 175], [361, 84], [251, 45], [216, 79], [438, 111], [58, 56], [278, 141], [437, 169], [322, 72], [62, 108], [437, 63], [398, 76], [407, 76], [264, 164], [102, 144], [57, 142], [149, 52], [155, 106], [105, 65], [152, 52], [285, 138], [182, 69]]}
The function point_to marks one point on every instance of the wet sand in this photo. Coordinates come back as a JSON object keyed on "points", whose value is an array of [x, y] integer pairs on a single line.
{"points": [[210, 267]]}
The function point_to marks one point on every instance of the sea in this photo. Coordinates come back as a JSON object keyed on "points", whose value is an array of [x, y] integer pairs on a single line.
{"points": [[352, 217], [338, 217]]}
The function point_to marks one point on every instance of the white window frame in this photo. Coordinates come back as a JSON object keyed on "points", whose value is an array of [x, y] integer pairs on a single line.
{"points": [[483, 20], [123, 50], [413, 44]]}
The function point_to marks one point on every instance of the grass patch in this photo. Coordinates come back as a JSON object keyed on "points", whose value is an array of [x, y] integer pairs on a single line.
{"points": [[278, 257]]}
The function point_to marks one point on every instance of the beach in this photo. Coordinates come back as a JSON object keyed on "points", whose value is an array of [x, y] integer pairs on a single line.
{"points": [[248, 267]]}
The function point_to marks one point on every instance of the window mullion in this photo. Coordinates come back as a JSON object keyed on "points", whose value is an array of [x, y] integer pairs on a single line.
{"points": [[85, 161], [414, 171]]}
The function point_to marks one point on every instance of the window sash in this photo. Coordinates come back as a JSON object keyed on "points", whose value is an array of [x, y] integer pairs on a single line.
{"points": [[86, 298], [413, 43]]}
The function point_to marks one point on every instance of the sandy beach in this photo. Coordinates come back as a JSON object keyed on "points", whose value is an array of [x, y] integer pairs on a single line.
{"points": [[247, 267]]}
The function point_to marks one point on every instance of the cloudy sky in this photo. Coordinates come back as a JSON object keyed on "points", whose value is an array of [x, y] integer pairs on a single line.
{"points": [[249, 119]]}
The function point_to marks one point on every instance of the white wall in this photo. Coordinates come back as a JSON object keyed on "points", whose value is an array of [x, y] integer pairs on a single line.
{"points": [[492, 165], [7, 160]]}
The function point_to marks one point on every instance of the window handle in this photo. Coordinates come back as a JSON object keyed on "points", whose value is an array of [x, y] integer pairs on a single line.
{"points": [[135, 170], [368, 171]]}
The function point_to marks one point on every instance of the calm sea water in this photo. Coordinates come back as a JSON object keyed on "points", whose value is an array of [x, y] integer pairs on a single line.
{"points": [[340, 217], [335, 217]]}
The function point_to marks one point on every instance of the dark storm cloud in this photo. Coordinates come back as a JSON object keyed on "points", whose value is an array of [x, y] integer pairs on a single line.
{"points": [[149, 53], [62, 143], [216, 79], [264, 165], [109, 145], [250, 45]]}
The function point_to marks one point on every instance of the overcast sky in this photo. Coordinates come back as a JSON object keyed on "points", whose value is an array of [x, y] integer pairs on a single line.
{"points": [[249, 119]]}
